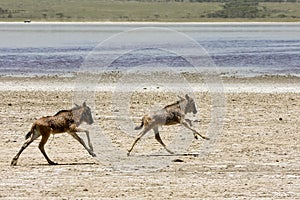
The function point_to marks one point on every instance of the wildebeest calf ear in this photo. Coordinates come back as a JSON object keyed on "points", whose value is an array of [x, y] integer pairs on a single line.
{"points": [[187, 96], [180, 97], [84, 104], [76, 105]]}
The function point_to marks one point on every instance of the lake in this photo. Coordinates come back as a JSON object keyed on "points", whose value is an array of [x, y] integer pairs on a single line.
{"points": [[243, 49]]}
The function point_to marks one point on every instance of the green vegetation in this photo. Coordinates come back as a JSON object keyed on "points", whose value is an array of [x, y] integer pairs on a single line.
{"points": [[239, 9], [148, 10]]}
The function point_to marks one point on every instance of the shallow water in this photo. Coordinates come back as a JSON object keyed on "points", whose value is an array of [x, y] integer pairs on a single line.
{"points": [[235, 49]]}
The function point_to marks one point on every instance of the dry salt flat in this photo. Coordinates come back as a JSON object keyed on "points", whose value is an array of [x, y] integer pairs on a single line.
{"points": [[255, 156]]}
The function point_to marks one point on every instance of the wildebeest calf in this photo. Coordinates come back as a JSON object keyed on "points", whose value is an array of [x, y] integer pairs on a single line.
{"points": [[169, 115], [63, 121]]}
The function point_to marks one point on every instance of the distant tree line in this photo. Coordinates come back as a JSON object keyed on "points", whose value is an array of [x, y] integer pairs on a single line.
{"points": [[3, 11], [6, 13], [239, 9]]}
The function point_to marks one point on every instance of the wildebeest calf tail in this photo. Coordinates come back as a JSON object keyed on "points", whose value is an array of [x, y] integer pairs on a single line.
{"points": [[145, 122], [139, 127], [28, 135], [30, 132]]}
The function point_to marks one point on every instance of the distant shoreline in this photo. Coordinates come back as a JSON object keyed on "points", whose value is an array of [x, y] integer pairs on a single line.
{"points": [[146, 23], [261, 84]]}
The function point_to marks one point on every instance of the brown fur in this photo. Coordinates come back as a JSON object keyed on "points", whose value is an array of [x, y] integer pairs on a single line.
{"points": [[63, 121], [169, 115]]}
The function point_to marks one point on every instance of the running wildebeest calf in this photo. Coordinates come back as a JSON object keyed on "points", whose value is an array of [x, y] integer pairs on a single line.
{"points": [[63, 121], [169, 115]]}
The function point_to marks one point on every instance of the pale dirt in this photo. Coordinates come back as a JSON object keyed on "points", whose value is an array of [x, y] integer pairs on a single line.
{"points": [[255, 157]]}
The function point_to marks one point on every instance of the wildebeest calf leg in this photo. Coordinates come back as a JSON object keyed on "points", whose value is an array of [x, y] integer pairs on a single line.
{"points": [[189, 121], [157, 137], [88, 137], [24, 146], [82, 142], [184, 123], [44, 139], [138, 138]]}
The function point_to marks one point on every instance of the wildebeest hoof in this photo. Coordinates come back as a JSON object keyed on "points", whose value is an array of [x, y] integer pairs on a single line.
{"points": [[206, 138], [13, 162], [52, 163], [171, 152], [93, 154]]}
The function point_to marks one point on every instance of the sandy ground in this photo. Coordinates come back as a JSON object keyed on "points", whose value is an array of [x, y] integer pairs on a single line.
{"points": [[255, 157]]}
